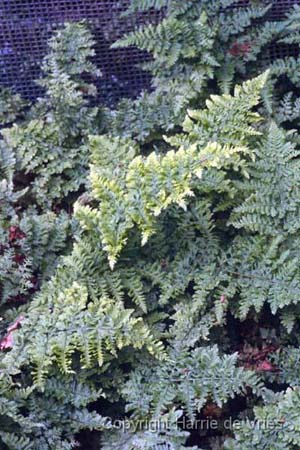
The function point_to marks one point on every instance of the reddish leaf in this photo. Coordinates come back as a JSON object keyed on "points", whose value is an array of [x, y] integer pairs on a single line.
{"points": [[7, 342], [16, 324], [15, 233], [223, 299], [212, 410], [265, 366], [240, 48], [19, 259]]}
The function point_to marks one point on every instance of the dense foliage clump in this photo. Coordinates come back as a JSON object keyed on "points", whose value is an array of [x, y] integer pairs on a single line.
{"points": [[149, 264]]}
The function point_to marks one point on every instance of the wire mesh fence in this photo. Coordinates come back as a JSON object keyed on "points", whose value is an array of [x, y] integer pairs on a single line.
{"points": [[26, 25]]}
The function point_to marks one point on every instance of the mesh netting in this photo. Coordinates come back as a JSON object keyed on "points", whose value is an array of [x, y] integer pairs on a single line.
{"points": [[26, 25], [280, 8]]}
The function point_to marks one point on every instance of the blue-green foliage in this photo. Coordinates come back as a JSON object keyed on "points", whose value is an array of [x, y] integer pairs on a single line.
{"points": [[200, 47], [186, 247], [152, 319], [50, 145]]}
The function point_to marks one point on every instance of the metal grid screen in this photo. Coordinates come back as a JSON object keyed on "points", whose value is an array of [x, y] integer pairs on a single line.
{"points": [[26, 25]]}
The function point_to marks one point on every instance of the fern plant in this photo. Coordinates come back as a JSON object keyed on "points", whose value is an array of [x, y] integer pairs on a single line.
{"points": [[50, 145], [139, 189], [201, 47], [162, 302], [274, 426], [184, 244], [27, 425]]}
